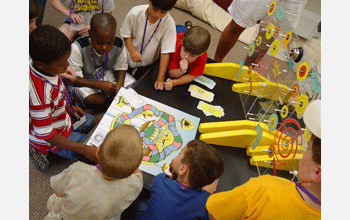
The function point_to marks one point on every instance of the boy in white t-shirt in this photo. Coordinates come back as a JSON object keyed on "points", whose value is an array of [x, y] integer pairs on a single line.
{"points": [[146, 30], [104, 191]]}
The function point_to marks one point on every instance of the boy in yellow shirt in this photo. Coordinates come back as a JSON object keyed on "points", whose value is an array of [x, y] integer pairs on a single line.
{"points": [[271, 197]]}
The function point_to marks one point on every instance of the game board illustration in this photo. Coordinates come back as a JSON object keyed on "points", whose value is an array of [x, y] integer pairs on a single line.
{"points": [[164, 130]]}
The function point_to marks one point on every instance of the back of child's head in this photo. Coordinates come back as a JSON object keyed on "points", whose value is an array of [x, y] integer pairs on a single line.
{"points": [[120, 154], [204, 162], [164, 5], [34, 9], [48, 44], [104, 22], [196, 40]]}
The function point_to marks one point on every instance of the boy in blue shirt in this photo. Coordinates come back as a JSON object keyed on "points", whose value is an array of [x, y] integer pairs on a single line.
{"points": [[181, 195]]}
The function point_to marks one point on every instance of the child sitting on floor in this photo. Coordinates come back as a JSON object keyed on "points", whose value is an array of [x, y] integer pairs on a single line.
{"points": [[103, 191], [190, 57], [180, 196], [146, 30], [99, 61], [51, 114], [34, 13]]}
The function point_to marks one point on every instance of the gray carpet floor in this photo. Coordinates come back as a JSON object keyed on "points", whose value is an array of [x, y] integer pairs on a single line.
{"points": [[39, 182]]}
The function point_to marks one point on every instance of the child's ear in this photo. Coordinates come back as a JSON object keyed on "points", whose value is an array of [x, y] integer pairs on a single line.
{"points": [[183, 170], [98, 153]]}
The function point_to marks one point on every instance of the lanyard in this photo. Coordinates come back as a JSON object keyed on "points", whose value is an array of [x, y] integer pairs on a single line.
{"points": [[64, 92], [182, 185], [312, 197], [71, 10], [93, 64], [144, 33]]}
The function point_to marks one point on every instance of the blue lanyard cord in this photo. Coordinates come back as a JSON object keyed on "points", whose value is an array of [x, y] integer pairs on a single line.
{"points": [[64, 92], [312, 197], [93, 64], [144, 33]]}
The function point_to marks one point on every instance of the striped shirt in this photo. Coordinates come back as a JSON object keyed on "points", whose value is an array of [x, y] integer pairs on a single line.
{"points": [[47, 110]]}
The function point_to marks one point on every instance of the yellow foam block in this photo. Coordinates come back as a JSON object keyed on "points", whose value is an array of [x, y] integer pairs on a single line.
{"points": [[210, 127], [266, 161], [230, 70], [268, 90], [264, 150], [238, 138]]}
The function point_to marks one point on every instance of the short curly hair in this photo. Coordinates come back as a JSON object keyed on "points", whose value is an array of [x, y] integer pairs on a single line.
{"points": [[164, 5], [48, 44]]}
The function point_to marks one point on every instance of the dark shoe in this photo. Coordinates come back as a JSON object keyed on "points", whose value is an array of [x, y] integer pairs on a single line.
{"points": [[40, 160]]}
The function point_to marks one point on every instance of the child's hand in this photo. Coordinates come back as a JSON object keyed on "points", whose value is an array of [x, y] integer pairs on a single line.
{"points": [[168, 84], [183, 66], [108, 88], [84, 30], [159, 84], [79, 112], [77, 18], [136, 56], [69, 74], [211, 188]]}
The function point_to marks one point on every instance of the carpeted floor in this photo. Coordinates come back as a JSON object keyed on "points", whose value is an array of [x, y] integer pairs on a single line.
{"points": [[39, 182]]}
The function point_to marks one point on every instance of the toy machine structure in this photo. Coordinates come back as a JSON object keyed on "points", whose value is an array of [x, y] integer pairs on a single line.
{"points": [[276, 79], [164, 130]]}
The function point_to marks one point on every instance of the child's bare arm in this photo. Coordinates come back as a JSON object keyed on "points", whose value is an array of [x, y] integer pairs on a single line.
{"points": [[211, 188], [105, 86], [61, 8], [62, 142], [134, 54], [170, 83], [163, 65], [120, 76]]}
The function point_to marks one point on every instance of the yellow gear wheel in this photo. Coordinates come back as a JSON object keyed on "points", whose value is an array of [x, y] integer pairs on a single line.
{"points": [[284, 111], [269, 31], [271, 8], [274, 47], [303, 71], [302, 103], [258, 41], [286, 39]]}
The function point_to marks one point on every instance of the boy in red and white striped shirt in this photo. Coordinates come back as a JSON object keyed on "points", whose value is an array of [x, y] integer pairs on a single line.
{"points": [[49, 109]]}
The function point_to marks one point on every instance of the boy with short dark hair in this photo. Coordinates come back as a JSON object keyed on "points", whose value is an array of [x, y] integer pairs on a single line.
{"points": [[181, 196], [272, 197], [50, 111], [99, 61], [148, 30], [190, 57], [104, 191]]}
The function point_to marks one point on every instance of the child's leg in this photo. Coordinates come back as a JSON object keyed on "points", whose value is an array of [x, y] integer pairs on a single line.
{"points": [[65, 28]]}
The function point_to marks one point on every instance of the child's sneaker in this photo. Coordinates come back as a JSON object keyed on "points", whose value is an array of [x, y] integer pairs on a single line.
{"points": [[39, 159]]}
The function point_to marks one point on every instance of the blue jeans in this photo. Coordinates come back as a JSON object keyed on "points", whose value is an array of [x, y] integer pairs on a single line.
{"points": [[77, 135]]}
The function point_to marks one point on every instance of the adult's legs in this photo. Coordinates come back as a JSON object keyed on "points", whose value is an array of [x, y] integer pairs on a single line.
{"points": [[227, 40]]}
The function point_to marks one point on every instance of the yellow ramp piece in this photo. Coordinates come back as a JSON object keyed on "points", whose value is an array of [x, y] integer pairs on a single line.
{"points": [[266, 161], [264, 150], [230, 70], [268, 90], [239, 138], [210, 127]]}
